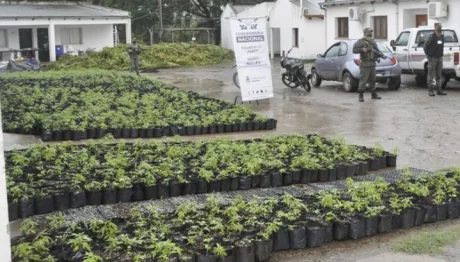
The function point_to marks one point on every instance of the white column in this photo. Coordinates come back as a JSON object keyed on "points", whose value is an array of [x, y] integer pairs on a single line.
{"points": [[272, 53], [35, 41], [52, 42], [128, 32], [5, 244]]}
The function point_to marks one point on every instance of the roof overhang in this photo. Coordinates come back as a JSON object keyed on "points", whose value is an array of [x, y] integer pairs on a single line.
{"points": [[354, 2]]}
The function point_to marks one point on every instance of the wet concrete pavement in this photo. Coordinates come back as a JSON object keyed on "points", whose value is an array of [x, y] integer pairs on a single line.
{"points": [[424, 128]]}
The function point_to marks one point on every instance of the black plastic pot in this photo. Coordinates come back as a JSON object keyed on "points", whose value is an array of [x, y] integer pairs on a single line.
{"points": [[245, 182], [323, 175], [332, 174], [328, 233], [441, 212], [244, 253], [265, 181], [351, 170], [227, 128], [58, 135], [383, 162], [419, 216], [212, 129], [235, 127], [134, 133], [263, 250], [109, 196], [181, 130], [341, 172], [13, 211], [100, 132], [220, 128], [287, 179], [174, 130], [340, 230], [430, 213], [214, 186], [408, 219], [281, 240], [201, 186], [315, 236], [370, 224], [26, 208], [189, 130], [250, 126], [166, 131], [385, 223], [124, 195], [47, 135], [374, 164], [206, 258], [174, 189], [363, 168], [197, 130], [391, 160], [305, 177], [44, 206], [255, 182], [234, 184], [62, 201], [143, 133], [76, 135], [67, 135], [314, 175], [277, 179], [150, 192], [256, 126], [189, 188], [91, 133], [163, 191], [243, 127], [125, 132], [116, 132], [226, 185], [296, 176], [452, 210], [78, 199], [228, 258], [94, 198], [138, 192], [157, 132], [298, 238], [357, 229], [263, 125], [396, 221]]}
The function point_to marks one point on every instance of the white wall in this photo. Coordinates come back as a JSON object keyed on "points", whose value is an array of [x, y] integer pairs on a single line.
{"points": [[287, 16], [453, 19], [94, 36]]}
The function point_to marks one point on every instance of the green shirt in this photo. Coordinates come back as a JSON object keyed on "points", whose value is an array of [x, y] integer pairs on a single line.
{"points": [[367, 59], [134, 50]]}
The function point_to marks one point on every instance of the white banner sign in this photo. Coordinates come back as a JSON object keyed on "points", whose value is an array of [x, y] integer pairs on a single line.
{"points": [[250, 42]]}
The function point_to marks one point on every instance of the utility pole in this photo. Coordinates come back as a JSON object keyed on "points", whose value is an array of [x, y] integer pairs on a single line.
{"points": [[160, 11]]}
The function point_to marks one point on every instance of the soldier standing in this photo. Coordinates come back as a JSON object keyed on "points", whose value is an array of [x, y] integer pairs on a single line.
{"points": [[434, 50], [365, 47], [134, 50]]}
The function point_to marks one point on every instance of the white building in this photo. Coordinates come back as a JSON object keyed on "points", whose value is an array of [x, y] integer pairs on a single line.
{"points": [[346, 19], [292, 24], [71, 27]]}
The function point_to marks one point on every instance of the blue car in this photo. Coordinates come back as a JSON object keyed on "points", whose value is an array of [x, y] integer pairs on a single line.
{"points": [[339, 63]]}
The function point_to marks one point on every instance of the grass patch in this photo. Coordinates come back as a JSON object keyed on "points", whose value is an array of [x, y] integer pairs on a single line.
{"points": [[428, 242]]}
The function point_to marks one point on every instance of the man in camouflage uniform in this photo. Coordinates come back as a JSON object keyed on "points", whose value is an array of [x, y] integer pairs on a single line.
{"points": [[434, 50], [365, 47], [134, 50]]}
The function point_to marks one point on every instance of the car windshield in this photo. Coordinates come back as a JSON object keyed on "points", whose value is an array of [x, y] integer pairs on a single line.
{"points": [[449, 36], [383, 48]]}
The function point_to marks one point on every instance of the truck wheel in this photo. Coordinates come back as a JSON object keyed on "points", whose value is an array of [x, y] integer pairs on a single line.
{"points": [[394, 83], [420, 80], [349, 83], [315, 79]]}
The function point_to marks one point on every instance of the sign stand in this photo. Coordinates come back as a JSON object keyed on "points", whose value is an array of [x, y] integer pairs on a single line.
{"points": [[242, 102]]}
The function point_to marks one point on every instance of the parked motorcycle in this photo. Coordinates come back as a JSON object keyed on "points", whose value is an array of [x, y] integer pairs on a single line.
{"points": [[295, 74]]}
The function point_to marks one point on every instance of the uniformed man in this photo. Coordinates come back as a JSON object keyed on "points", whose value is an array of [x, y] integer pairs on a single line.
{"points": [[365, 47], [434, 50], [134, 50]]}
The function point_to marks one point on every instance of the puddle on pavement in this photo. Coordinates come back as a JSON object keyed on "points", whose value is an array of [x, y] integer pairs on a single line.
{"points": [[15, 141], [388, 257]]}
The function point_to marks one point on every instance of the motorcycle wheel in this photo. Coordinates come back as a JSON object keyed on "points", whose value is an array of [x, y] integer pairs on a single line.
{"points": [[287, 82], [305, 83]]}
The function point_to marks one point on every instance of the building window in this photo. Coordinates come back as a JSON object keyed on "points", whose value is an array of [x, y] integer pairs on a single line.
{"points": [[342, 27], [295, 37], [71, 36], [380, 27], [3, 38]]}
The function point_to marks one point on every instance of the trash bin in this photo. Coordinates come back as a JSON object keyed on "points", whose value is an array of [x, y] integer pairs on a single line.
{"points": [[59, 51]]}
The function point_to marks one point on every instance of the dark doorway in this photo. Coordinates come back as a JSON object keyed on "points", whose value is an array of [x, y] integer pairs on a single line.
{"points": [[43, 45], [25, 41]]}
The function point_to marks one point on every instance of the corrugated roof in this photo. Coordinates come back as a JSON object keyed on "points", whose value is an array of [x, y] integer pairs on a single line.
{"points": [[58, 10]]}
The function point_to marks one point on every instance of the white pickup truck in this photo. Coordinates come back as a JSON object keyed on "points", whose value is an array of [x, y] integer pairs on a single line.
{"points": [[408, 49]]}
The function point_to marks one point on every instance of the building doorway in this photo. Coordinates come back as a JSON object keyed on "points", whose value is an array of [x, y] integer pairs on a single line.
{"points": [[43, 45], [421, 20], [25, 41]]}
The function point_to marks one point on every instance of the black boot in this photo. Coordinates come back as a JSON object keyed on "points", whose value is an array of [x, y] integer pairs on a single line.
{"points": [[361, 97], [441, 93], [375, 96], [431, 93]]}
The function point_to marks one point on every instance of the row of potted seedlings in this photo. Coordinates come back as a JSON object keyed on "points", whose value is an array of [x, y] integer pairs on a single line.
{"points": [[245, 230], [88, 105], [45, 178]]}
